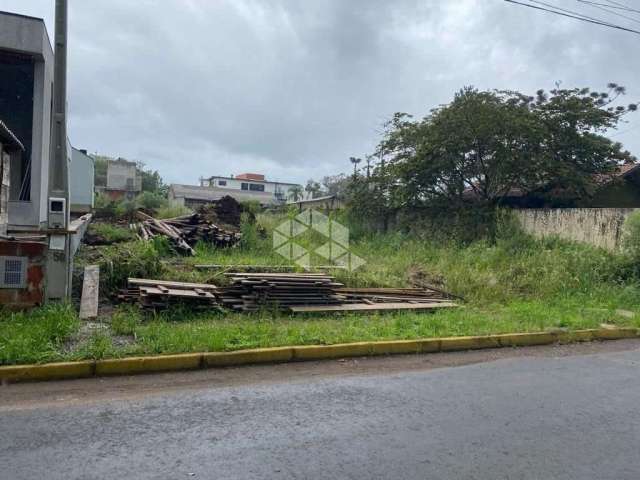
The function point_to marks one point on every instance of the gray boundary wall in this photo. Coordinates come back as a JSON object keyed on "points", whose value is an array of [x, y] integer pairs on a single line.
{"points": [[601, 227]]}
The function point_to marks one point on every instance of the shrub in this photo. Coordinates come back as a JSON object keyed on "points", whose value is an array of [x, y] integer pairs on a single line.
{"points": [[151, 201], [172, 212], [133, 259], [111, 233]]}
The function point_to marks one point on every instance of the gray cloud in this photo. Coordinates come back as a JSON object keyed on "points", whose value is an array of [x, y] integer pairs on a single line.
{"points": [[292, 89]]}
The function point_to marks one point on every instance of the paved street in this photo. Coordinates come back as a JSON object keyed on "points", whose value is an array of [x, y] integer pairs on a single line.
{"points": [[545, 413]]}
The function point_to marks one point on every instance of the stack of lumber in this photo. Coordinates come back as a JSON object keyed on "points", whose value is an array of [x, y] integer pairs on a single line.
{"points": [[253, 291], [318, 292], [381, 299], [161, 294], [185, 231]]}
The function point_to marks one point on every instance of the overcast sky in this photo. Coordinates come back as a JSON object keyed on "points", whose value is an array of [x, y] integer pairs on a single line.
{"points": [[293, 88]]}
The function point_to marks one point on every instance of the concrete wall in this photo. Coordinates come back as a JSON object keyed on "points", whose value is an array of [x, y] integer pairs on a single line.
{"points": [[123, 176], [28, 36], [81, 180], [601, 227]]}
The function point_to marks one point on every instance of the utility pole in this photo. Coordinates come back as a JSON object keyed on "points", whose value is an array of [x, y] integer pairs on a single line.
{"points": [[59, 259]]}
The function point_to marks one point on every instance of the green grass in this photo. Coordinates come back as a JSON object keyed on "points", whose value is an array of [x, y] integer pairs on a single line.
{"points": [[36, 336], [111, 233], [515, 284]]}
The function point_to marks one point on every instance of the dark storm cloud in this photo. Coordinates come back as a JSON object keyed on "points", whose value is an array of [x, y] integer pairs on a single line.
{"points": [[293, 88]]}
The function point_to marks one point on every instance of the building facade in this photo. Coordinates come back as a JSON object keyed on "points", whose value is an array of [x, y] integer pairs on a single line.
{"points": [[81, 181], [123, 180], [26, 84], [251, 186]]}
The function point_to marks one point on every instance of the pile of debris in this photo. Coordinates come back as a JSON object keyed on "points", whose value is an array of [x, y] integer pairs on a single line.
{"points": [[161, 294], [249, 292], [185, 231]]}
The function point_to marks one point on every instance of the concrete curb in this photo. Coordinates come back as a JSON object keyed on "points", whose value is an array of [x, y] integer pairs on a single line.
{"points": [[194, 361]]}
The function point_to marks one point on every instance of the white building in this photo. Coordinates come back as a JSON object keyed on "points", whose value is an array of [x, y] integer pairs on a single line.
{"points": [[244, 187], [251, 184]]}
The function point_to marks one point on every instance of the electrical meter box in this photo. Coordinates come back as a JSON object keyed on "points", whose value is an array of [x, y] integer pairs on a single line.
{"points": [[57, 212]]}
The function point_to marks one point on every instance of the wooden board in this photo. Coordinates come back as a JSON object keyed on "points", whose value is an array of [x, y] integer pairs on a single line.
{"points": [[165, 283], [362, 307], [90, 291]]}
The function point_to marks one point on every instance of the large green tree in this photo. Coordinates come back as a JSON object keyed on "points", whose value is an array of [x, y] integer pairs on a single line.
{"points": [[485, 145]]}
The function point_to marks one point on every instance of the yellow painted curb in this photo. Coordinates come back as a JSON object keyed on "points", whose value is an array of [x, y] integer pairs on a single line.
{"points": [[527, 339], [48, 371], [133, 365], [615, 333], [245, 357], [395, 347], [340, 350], [468, 343], [192, 361]]}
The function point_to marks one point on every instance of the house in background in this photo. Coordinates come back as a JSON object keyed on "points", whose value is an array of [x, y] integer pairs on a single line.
{"points": [[123, 180], [194, 196], [617, 189], [81, 181], [243, 187]]}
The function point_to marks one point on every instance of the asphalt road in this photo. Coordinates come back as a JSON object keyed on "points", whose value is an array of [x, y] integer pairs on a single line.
{"points": [[544, 413]]}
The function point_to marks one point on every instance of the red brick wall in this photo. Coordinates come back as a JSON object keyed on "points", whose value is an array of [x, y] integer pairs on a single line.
{"points": [[33, 295]]}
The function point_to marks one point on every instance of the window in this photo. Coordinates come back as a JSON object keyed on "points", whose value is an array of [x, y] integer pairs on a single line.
{"points": [[13, 272], [244, 186], [256, 187], [222, 183]]}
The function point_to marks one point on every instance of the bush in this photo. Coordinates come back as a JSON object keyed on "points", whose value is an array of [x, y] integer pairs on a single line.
{"points": [[172, 212], [151, 201], [110, 233], [104, 207], [133, 259]]}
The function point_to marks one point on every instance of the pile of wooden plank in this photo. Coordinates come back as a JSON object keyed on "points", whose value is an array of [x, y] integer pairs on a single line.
{"points": [[254, 291], [318, 292], [161, 294], [185, 231]]}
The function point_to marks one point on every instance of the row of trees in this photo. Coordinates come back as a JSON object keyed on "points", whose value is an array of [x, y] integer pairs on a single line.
{"points": [[485, 145]]}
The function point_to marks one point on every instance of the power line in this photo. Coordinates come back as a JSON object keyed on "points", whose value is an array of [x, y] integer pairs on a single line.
{"points": [[621, 5], [584, 19], [581, 15], [612, 12], [617, 7]]}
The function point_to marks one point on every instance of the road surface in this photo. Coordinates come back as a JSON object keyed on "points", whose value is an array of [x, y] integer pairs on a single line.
{"points": [[542, 413]]}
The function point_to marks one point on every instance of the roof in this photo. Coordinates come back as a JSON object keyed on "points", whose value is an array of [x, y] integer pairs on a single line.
{"points": [[8, 137], [212, 194], [3, 12], [314, 200], [600, 179], [81, 154], [250, 180]]}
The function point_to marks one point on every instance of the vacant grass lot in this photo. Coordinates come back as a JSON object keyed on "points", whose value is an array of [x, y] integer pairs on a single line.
{"points": [[514, 284]]}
